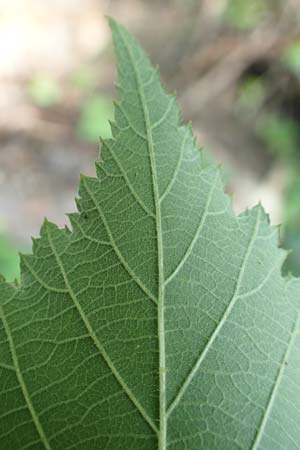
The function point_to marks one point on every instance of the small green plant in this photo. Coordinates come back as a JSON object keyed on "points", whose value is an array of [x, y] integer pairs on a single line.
{"points": [[161, 321], [281, 136], [9, 259], [291, 57], [251, 94], [96, 112], [243, 14], [44, 91], [84, 78]]}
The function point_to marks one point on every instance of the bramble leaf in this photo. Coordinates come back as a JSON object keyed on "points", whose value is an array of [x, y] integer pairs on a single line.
{"points": [[161, 321]]}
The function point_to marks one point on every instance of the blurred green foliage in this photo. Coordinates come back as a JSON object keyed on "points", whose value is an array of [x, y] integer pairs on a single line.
{"points": [[84, 78], [244, 14], [292, 204], [291, 57], [9, 259], [96, 112], [291, 230], [44, 91], [281, 135], [251, 94]]}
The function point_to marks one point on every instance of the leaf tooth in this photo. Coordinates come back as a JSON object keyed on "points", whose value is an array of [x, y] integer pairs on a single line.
{"points": [[37, 241], [289, 276], [67, 229], [78, 204], [35, 244], [84, 182], [87, 179], [264, 215], [81, 192], [114, 128], [114, 25], [26, 260], [99, 169], [73, 218], [49, 226], [271, 232], [105, 145], [44, 227], [284, 255]]}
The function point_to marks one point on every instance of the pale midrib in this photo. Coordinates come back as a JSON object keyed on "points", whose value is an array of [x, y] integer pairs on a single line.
{"points": [[96, 341], [223, 320], [22, 384], [276, 386], [162, 436]]}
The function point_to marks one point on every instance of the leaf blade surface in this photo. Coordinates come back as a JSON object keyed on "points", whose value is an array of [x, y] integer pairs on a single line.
{"points": [[161, 321]]}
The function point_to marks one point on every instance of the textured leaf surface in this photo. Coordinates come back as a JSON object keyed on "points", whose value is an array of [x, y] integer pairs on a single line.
{"points": [[161, 321]]}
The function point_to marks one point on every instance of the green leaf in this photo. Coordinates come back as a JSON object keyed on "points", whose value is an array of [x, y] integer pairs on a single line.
{"points": [[161, 321]]}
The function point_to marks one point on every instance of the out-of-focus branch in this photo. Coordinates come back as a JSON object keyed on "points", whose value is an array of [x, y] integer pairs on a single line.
{"points": [[224, 73]]}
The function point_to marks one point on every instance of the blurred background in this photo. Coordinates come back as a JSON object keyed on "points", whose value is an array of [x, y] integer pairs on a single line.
{"points": [[235, 65]]}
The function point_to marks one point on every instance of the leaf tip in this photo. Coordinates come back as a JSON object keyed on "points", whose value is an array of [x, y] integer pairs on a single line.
{"points": [[114, 26], [78, 203], [112, 23], [48, 227], [44, 227], [24, 260], [264, 215]]}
